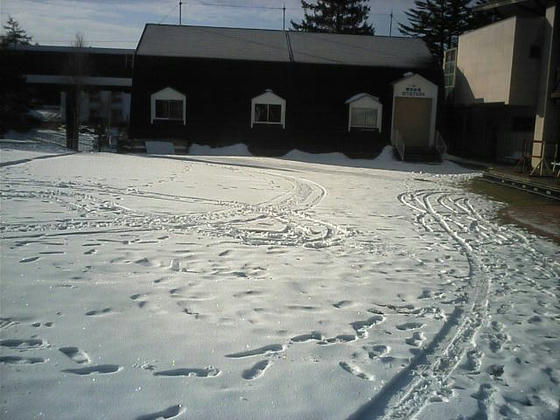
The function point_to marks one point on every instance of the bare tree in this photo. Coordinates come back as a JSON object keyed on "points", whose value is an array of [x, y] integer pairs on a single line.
{"points": [[78, 67]]}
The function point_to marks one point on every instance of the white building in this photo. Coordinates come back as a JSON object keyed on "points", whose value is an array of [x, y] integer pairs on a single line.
{"points": [[503, 80]]}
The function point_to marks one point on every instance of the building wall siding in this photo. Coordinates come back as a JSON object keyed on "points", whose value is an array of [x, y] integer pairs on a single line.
{"points": [[219, 94], [484, 64], [525, 67]]}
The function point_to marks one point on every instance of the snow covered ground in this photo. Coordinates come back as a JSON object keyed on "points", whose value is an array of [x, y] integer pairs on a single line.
{"points": [[245, 288]]}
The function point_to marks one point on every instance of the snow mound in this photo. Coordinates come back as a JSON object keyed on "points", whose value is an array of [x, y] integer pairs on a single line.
{"points": [[238, 149], [385, 160]]}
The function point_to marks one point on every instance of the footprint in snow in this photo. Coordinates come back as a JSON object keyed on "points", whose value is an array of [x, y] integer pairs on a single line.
{"points": [[47, 324], [168, 413], [31, 343], [271, 349], [377, 351], [99, 312], [343, 338], [7, 322], [16, 360], [139, 299], [416, 340], [361, 327], [208, 372], [99, 369], [302, 308], [248, 293], [257, 370], [473, 361], [342, 304], [315, 335], [410, 326], [28, 260], [356, 371], [77, 355], [143, 261]]}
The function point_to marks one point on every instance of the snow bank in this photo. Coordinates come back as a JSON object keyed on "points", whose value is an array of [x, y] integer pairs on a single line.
{"points": [[238, 149], [385, 160], [57, 137], [19, 150]]}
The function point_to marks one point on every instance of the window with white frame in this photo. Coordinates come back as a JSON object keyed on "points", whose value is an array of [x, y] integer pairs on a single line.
{"points": [[268, 108], [364, 118], [169, 109], [268, 113], [364, 112], [168, 105]]}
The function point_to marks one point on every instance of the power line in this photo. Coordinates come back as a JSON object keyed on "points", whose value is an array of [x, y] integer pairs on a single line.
{"points": [[243, 6]]}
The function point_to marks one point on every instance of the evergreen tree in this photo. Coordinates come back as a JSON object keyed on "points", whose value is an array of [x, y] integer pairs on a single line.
{"points": [[335, 16], [480, 18], [440, 22], [14, 95], [15, 35]]}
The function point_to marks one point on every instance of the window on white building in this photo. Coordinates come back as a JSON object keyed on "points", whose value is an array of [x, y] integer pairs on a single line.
{"points": [[168, 105], [268, 113], [268, 108], [169, 109], [364, 118], [364, 112]]}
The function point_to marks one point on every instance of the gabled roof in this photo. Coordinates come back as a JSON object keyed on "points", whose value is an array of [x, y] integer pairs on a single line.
{"points": [[69, 49], [359, 96], [209, 42], [281, 46], [409, 76], [359, 50]]}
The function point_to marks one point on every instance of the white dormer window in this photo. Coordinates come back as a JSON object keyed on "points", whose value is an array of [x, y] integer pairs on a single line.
{"points": [[364, 112], [168, 105], [268, 108]]}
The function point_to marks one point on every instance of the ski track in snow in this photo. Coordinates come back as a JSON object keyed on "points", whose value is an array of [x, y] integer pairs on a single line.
{"points": [[451, 213], [253, 224]]}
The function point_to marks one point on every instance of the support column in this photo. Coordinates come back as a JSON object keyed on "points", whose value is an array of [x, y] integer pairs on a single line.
{"points": [[547, 119]]}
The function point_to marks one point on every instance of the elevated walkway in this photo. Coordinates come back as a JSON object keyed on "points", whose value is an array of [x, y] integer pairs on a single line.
{"points": [[544, 186]]}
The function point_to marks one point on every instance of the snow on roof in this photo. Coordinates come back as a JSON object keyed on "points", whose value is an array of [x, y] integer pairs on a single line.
{"points": [[70, 80], [281, 46], [69, 49], [209, 42], [359, 50], [360, 96], [409, 75]]}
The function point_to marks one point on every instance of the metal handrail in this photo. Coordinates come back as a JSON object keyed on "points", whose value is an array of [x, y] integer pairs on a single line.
{"points": [[441, 146], [399, 143]]}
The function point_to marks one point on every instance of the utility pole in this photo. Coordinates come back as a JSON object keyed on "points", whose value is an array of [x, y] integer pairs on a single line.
{"points": [[283, 17], [180, 10], [391, 23]]}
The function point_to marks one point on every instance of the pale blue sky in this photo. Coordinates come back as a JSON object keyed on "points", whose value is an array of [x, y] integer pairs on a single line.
{"points": [[112, 23]]}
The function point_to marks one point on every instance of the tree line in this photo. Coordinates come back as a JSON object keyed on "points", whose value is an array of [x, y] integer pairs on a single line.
{"points": [[438, 22]]}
